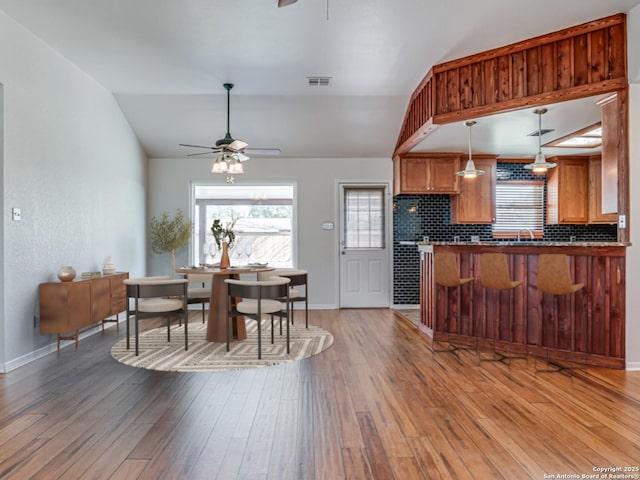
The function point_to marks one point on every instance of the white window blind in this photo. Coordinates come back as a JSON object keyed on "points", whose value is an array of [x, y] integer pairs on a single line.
{"points": [[364, 217], [519, 207]]}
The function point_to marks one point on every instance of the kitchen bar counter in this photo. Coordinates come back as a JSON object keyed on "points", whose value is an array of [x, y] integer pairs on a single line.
{"points": [[472, 313]]}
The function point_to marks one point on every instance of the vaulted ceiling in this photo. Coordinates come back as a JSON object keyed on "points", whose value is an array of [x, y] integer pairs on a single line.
{"points": [[165, 62]]}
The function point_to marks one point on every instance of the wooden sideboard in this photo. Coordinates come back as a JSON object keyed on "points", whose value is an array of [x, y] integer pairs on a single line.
{"points": [[66, 308], [471, 314]]}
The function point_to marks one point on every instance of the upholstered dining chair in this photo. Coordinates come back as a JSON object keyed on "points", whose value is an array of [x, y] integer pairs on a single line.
{"points": [[494, 275], [446, 273], [154, 297], [199, 290], [258, 298], [554, 277], [298, 289]]}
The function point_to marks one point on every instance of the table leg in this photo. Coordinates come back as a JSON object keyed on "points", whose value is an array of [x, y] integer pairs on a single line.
{"points": [[216, 329]]}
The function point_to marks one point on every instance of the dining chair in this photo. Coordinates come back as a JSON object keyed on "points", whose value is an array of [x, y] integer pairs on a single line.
{"points": [[154, 297], [258, 297], [199, 290], [299, 279]]}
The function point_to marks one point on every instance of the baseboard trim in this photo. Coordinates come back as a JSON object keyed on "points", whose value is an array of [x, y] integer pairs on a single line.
{"points": [[633, 366], [52, 347]]}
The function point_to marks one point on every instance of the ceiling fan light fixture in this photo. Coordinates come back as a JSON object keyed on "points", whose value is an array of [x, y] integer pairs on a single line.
{"points": [[470, 171], [235, 167], [540, 165], [219, 165]]}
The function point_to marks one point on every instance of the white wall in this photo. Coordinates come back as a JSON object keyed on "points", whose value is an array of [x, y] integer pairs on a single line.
{"points": [[169, 184], [633, 252], [74, 167]]}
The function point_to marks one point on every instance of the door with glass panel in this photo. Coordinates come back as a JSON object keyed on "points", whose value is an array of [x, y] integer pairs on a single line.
{"points": [[364, 256]]}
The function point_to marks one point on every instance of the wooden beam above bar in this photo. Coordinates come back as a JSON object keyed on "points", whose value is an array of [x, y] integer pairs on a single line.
{"points": [[577, 62]]}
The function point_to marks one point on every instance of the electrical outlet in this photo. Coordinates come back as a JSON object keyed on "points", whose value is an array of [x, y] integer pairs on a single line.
{"points": [[475, 238]]}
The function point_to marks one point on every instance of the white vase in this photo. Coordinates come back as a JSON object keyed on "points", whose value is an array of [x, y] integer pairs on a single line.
{"points": [[109, 267]]}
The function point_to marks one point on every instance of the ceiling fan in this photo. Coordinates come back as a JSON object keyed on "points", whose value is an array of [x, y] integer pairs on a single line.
{"points": [[284, 3], [228, 144]]}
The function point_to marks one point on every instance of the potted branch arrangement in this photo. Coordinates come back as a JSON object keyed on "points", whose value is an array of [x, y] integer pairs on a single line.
{"points": [[224, 237], [168, 235]]}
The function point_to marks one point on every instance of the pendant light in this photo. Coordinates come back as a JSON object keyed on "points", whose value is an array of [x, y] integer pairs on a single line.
{"points": [[540, 164], [470, 170]]}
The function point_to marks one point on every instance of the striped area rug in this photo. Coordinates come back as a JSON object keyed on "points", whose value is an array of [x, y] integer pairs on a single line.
{"points": [[203, 356]]}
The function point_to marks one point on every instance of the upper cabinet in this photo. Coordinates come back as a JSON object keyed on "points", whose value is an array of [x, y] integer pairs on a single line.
{"points": [[574, 191], [568, 190], [426, 173], [477, 200]]}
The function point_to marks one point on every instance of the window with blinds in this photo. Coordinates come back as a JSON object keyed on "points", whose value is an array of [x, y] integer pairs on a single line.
{"points": [[364, 217], [519, 207]]}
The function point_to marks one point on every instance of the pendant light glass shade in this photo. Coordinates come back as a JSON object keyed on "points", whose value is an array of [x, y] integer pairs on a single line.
{"points": [[229, 163], [540, 164], [470, 171]]}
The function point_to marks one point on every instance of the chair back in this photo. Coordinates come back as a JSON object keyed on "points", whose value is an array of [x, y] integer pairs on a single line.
{"points": [[154, 287], [554, 275], [297, 277], [446, 270], [275, 287], [494, 272]]}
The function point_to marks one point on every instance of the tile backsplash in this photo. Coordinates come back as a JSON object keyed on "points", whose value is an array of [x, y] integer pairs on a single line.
{"points": [[416, 216]]}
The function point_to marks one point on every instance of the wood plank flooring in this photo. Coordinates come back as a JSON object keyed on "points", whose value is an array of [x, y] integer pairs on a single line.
{"points": [[379, 404]]}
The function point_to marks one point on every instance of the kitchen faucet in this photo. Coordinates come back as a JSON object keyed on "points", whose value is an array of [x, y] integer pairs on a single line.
{"points": [[525, 230]]}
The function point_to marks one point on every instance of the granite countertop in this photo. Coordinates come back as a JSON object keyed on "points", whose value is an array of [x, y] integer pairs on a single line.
{"points": [[528, 243]]}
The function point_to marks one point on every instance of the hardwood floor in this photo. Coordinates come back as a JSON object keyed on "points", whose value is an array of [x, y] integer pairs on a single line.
{"points": [[378, 404]]}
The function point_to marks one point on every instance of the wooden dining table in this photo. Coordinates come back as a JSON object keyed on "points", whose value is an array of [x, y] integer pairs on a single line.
{"points": [[216, 325]]}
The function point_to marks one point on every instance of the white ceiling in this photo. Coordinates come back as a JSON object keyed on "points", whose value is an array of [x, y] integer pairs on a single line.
{"points": [[166, 60]]}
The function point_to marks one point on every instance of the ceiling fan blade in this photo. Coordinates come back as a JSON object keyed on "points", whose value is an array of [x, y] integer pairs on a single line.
{"points": [[242, 157], [262, 151], [197, 146], [237, 145], [196, 154], [284, 3]]}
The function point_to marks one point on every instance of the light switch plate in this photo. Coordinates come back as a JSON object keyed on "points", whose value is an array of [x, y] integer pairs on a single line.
{"points": [[16, 213], [327, 226], [622, 221]]}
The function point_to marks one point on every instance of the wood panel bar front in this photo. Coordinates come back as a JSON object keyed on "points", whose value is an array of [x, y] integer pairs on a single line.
{"points": [[587, 326]]}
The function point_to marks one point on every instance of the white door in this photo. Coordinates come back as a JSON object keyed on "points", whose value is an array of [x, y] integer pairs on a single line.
{"points": [[364, 246]]}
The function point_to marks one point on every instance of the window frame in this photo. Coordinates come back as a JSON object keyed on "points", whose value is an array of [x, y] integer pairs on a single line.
{"points": [[255, 186], [538, 233], [382, 211]]}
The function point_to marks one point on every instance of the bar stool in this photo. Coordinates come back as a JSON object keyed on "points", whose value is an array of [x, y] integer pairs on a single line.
{"points": [[446, 274], [554, 277], [494, 275]]}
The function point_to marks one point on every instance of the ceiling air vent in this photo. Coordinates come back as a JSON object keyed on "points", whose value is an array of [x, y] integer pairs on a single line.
{"points": [[319, 81], [539, 133]]}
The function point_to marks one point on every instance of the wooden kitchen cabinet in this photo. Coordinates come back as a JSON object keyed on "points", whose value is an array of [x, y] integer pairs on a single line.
{"points": [[66, 308], [476, 202], [595, 193], [568, 190], [426, 173]]}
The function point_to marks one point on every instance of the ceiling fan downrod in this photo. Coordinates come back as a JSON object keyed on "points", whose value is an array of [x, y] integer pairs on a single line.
{"points": [[228, 139]]}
